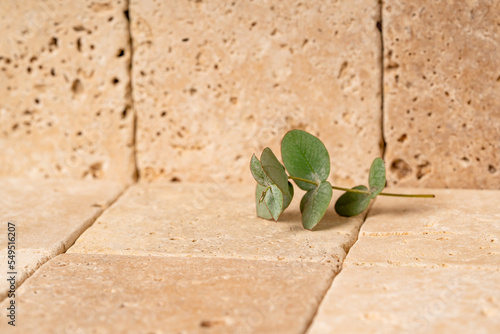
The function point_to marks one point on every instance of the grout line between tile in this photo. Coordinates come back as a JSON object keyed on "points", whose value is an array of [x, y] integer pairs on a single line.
{"points": [[50, 257], [380, 25], [311, 320]]}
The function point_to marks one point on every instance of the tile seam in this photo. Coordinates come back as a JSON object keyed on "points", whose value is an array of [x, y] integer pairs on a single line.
{"points": [[65, 249], [311, 320]]}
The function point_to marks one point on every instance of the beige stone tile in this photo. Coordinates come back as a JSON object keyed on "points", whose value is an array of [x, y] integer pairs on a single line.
{"points": [[193, 220], [435, 250], [441, 95], [452, 211], [65, 81], [48, 215], [457, 228], [215, 81], [410, 300], [130, 294]]}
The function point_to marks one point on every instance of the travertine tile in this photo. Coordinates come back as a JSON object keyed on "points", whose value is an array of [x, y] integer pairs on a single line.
{"points": [[215, 81], [441, 93], [457, 228], [65, 82], [179, 219], [410, 300], [81, 293], [49, 215]]}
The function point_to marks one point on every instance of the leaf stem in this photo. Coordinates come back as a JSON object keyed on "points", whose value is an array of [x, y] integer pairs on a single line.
{"points": [[363, 191]]}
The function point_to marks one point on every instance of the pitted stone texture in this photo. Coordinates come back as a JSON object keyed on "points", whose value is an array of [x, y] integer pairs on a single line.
{"points": [[130, 294], [48, 215], [410, 300], [457, 228], [203, 220], [65, 87], [215, 81], [442, 93]]}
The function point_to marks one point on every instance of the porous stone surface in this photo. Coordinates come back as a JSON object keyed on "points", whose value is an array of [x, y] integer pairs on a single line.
{"points": [[84, 293], [431, 266], [410, 300], [65, 86], [48, 216], [193, 220], [215, 81], [442, 93], [457, 228]]}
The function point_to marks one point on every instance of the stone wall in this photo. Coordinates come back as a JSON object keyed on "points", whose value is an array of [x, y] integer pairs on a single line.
{"points": [[442, 93], [215, 81], [65, 106]]}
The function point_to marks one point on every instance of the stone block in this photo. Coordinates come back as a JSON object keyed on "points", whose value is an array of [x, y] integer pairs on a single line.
{"points": [[49, 215], [410, 300], [65, 110], [457, 228], [215, 81], [442, 93], [76, 293], [197, 220]]}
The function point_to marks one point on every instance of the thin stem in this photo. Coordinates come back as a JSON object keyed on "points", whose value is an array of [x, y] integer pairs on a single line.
{"points": [[357, 191], [406, 195]]}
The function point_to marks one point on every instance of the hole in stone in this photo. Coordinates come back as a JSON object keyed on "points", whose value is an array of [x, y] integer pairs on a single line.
{"points": [[77, 86], [28, 69], [192, 91], [491, 169], [379, 26], [163, 114], [400, 168], [78, 28], [53, 72], [402, 138], [121, 53], [233, 100], [175, 179], [110, 18], [126, 15], [53, 42], [79, 44], [115, 81], [124, 112], [185, 39]]}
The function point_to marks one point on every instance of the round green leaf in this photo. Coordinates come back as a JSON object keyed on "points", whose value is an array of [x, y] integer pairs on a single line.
{"points": [[352, 204], [274, 170], [274, 201], [376, 179], [262, 210], [306, 157], [315, 204], [258, 172]]}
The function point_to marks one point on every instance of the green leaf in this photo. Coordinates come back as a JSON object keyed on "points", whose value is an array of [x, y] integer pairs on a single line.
{"points": [[274, 170], [306, 157], [352, 204], [258, 172], [274, 201], [287, 198], [314, 204], [262, 210], [376, 179]]}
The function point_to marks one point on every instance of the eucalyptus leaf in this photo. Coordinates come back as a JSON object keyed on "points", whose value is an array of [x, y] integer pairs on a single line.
{"points": [[258, 172], [305, 157], [274, 201], [262, 210], [274, 170], [376, 178], [351, 204], [315, 204]]}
